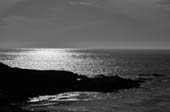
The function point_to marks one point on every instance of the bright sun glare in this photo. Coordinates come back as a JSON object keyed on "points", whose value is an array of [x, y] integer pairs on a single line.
{"points": [[48, 52]]}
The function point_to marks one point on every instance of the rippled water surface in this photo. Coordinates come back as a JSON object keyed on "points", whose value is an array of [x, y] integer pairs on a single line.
{"points": [[154, 96], [89, 62]]}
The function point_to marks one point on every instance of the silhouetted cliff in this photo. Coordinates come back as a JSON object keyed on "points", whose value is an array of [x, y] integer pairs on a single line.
{"points": [[18, 84]]}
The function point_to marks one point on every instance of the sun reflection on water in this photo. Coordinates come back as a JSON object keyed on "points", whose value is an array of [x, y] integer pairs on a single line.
{"points": [[49, 54], [74, 60]]}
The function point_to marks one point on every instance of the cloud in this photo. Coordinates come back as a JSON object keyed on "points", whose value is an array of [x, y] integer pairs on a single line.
{"points": [[27, 28], [7, 4], [100, 21], [164, 4], [72, 3]]}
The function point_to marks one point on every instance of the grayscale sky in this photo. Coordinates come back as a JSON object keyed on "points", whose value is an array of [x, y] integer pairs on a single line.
{"points": [[133, 24]]}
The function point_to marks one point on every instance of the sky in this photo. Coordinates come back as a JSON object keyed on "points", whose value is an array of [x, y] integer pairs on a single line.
{"points": [[112, 24]]}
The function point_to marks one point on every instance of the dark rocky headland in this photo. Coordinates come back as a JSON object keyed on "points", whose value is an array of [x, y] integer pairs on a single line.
{"points": [[17, 85]]}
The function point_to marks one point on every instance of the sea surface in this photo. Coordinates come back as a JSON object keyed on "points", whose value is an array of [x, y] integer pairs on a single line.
{"points": [[154, 96]]}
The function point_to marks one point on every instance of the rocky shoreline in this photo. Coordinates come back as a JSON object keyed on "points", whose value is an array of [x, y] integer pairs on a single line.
{"points": [[17, 85]]}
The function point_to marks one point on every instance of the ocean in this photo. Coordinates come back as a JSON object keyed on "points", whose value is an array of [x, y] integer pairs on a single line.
{"points": [[153, 97]]}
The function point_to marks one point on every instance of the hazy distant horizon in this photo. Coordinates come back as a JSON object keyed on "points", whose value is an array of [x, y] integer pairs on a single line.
{"points": [[52, 48]]}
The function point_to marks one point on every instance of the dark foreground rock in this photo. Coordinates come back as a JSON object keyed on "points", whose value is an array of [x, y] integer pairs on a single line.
{"points": [[17, 85], [10, 108]]}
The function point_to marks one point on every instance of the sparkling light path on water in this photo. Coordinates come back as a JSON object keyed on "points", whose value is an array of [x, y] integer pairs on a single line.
{"points": [[87, 63]]}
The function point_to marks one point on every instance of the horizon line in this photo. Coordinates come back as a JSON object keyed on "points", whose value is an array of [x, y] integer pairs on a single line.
{"points": [[29, 48]]}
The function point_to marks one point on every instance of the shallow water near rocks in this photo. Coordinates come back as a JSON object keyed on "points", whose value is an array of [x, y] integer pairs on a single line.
{"points": [[153, 97]]}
